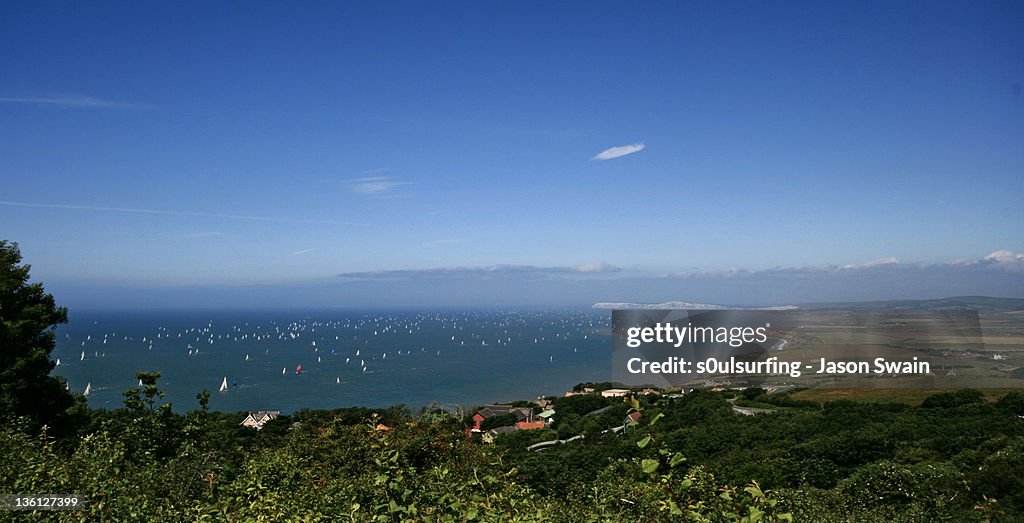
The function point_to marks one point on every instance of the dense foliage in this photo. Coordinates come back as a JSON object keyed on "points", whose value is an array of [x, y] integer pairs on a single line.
{"points": [[844, 461]]}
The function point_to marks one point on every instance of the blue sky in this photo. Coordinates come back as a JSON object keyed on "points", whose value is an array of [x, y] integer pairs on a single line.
{"points": [[198, 146]]}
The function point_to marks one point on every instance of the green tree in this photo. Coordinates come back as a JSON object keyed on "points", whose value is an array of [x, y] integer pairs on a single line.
{"points": [[502, 420], [949, 400], [28, 316]]}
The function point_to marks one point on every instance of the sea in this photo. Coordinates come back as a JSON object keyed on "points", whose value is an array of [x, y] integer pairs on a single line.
{"points": [[293, 360]]}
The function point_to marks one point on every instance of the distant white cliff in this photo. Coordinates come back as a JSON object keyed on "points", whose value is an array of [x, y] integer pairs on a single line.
{"points": [[685, 305]]}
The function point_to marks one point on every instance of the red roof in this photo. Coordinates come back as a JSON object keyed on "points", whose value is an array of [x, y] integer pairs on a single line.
{"points": [[526, 425]]}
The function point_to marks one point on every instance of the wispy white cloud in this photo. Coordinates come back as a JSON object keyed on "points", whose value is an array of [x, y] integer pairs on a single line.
{"points": [[873, 263], [1005, 258], [618, 152], [375, 184], [303, 251], [70, 101], [594, 268], [169, 213]]}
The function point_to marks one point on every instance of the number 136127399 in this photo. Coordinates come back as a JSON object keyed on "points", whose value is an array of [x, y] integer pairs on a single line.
{"points": [[41, 502]]}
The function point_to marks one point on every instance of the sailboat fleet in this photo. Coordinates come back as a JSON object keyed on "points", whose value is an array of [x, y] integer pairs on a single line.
{"points": [[367, 332]]}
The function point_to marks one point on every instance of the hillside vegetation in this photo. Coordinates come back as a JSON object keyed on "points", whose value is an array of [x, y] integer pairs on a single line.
{"points": [[954, 458]]}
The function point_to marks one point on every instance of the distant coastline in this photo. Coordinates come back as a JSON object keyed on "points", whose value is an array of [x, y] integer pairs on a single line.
{"points": [[685, 305]]}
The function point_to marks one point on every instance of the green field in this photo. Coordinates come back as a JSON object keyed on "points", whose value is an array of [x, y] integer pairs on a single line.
{"points": [[897, 395]]}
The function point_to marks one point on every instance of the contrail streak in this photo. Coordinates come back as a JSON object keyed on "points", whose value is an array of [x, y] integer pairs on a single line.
{"points": [[171, 213]]}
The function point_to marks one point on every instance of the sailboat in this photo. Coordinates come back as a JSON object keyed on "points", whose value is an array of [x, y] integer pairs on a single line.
{"points": [[88, 389], [338, 380], [83, 356], [298, 369], [140, 383], [58, 361], [284, 370], [224, 384], [246, 357]]}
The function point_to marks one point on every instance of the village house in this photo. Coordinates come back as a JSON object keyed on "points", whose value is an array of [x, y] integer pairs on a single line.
{"points": [[490, 411], [632, 417], [530, 425], [547, 416], [586, 390], [614, 393], [543, 403], [489, 436], [256, 420]]}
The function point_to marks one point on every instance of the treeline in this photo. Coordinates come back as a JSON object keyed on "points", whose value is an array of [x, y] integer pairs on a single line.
{"points": [[144, 462]]}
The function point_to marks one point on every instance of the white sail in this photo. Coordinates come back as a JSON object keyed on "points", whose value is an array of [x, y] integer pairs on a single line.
{"points": [[88, 389], [224, 384], [83, 356], [140, 383], [58, 361], [338, 380], [284, 370]]}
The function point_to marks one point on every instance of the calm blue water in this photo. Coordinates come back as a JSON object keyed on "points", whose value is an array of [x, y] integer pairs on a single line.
{"points": [[466, 358]]}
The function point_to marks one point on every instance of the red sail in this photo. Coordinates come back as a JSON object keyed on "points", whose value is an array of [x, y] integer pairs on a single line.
{"points": [[298, 369]]}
